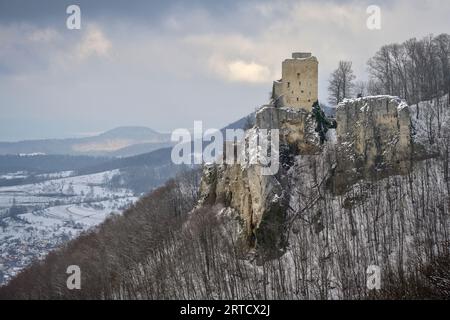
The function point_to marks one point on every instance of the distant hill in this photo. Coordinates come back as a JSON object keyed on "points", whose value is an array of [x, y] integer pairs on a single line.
{"points": [[118, 142], [151, 156], [241, 123], [122, 141], [156, 158], [38, 164], [139, 148]]}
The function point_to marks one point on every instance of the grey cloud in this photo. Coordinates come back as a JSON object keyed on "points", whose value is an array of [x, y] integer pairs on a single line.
{"points": [[165, 65]]}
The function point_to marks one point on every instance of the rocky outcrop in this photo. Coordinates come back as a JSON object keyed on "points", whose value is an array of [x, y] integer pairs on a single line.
{"points": [[258, 199], [296, 127], [261, 200], [373, 139]]}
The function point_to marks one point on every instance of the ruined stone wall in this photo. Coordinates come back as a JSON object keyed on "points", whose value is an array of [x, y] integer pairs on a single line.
{"points": [[298, 87]]}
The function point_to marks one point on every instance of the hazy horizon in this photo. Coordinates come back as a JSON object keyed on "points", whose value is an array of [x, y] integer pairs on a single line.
{"points": [[165, 65]]}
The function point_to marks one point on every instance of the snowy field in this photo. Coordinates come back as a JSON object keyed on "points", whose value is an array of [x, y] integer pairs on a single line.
{"points": [[37, 218]]}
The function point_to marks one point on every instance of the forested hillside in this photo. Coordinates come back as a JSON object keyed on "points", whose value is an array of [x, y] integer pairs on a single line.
{"points": [[162, 249], [173, 245]]}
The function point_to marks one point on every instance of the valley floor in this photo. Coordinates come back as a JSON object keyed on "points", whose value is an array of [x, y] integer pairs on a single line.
{"points": [[37, 218]]}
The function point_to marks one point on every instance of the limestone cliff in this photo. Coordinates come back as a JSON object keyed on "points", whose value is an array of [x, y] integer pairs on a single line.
{"points": [[296, 127], [373, 139], [258, 200]]}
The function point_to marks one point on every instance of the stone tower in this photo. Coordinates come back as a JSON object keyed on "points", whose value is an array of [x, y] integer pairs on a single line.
{"points": [[298, 87]]}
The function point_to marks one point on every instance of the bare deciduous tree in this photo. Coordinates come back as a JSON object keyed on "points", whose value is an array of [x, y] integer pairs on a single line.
{"points": [[415, 70], [341, 83]]}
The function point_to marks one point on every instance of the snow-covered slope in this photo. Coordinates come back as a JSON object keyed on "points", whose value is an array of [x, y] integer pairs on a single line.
{"points": [[431, 124], [36, 218]]}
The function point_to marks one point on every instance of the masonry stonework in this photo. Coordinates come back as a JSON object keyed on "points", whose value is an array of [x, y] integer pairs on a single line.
{"points": [[298, 87]]}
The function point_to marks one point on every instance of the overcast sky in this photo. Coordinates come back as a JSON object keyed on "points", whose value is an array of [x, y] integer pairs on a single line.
{"points": [[164, 64]]}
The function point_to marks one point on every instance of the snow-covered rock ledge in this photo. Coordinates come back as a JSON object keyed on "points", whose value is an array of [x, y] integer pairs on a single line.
{"points": [[373, 138]]}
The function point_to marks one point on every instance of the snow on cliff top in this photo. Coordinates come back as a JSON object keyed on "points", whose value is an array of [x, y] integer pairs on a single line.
{"points": [[401, 103]]}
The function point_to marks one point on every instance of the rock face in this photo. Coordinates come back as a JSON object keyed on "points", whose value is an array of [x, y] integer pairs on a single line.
{"points": [[296, 127], [257, 198], [261, 200], [373, 139]]}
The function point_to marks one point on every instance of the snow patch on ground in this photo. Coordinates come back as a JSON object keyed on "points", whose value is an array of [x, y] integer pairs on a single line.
{"points": [[37, 218]]}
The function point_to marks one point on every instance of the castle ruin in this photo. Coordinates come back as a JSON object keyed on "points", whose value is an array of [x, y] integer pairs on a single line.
{"points": [[298, 87], [373, 140]]}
